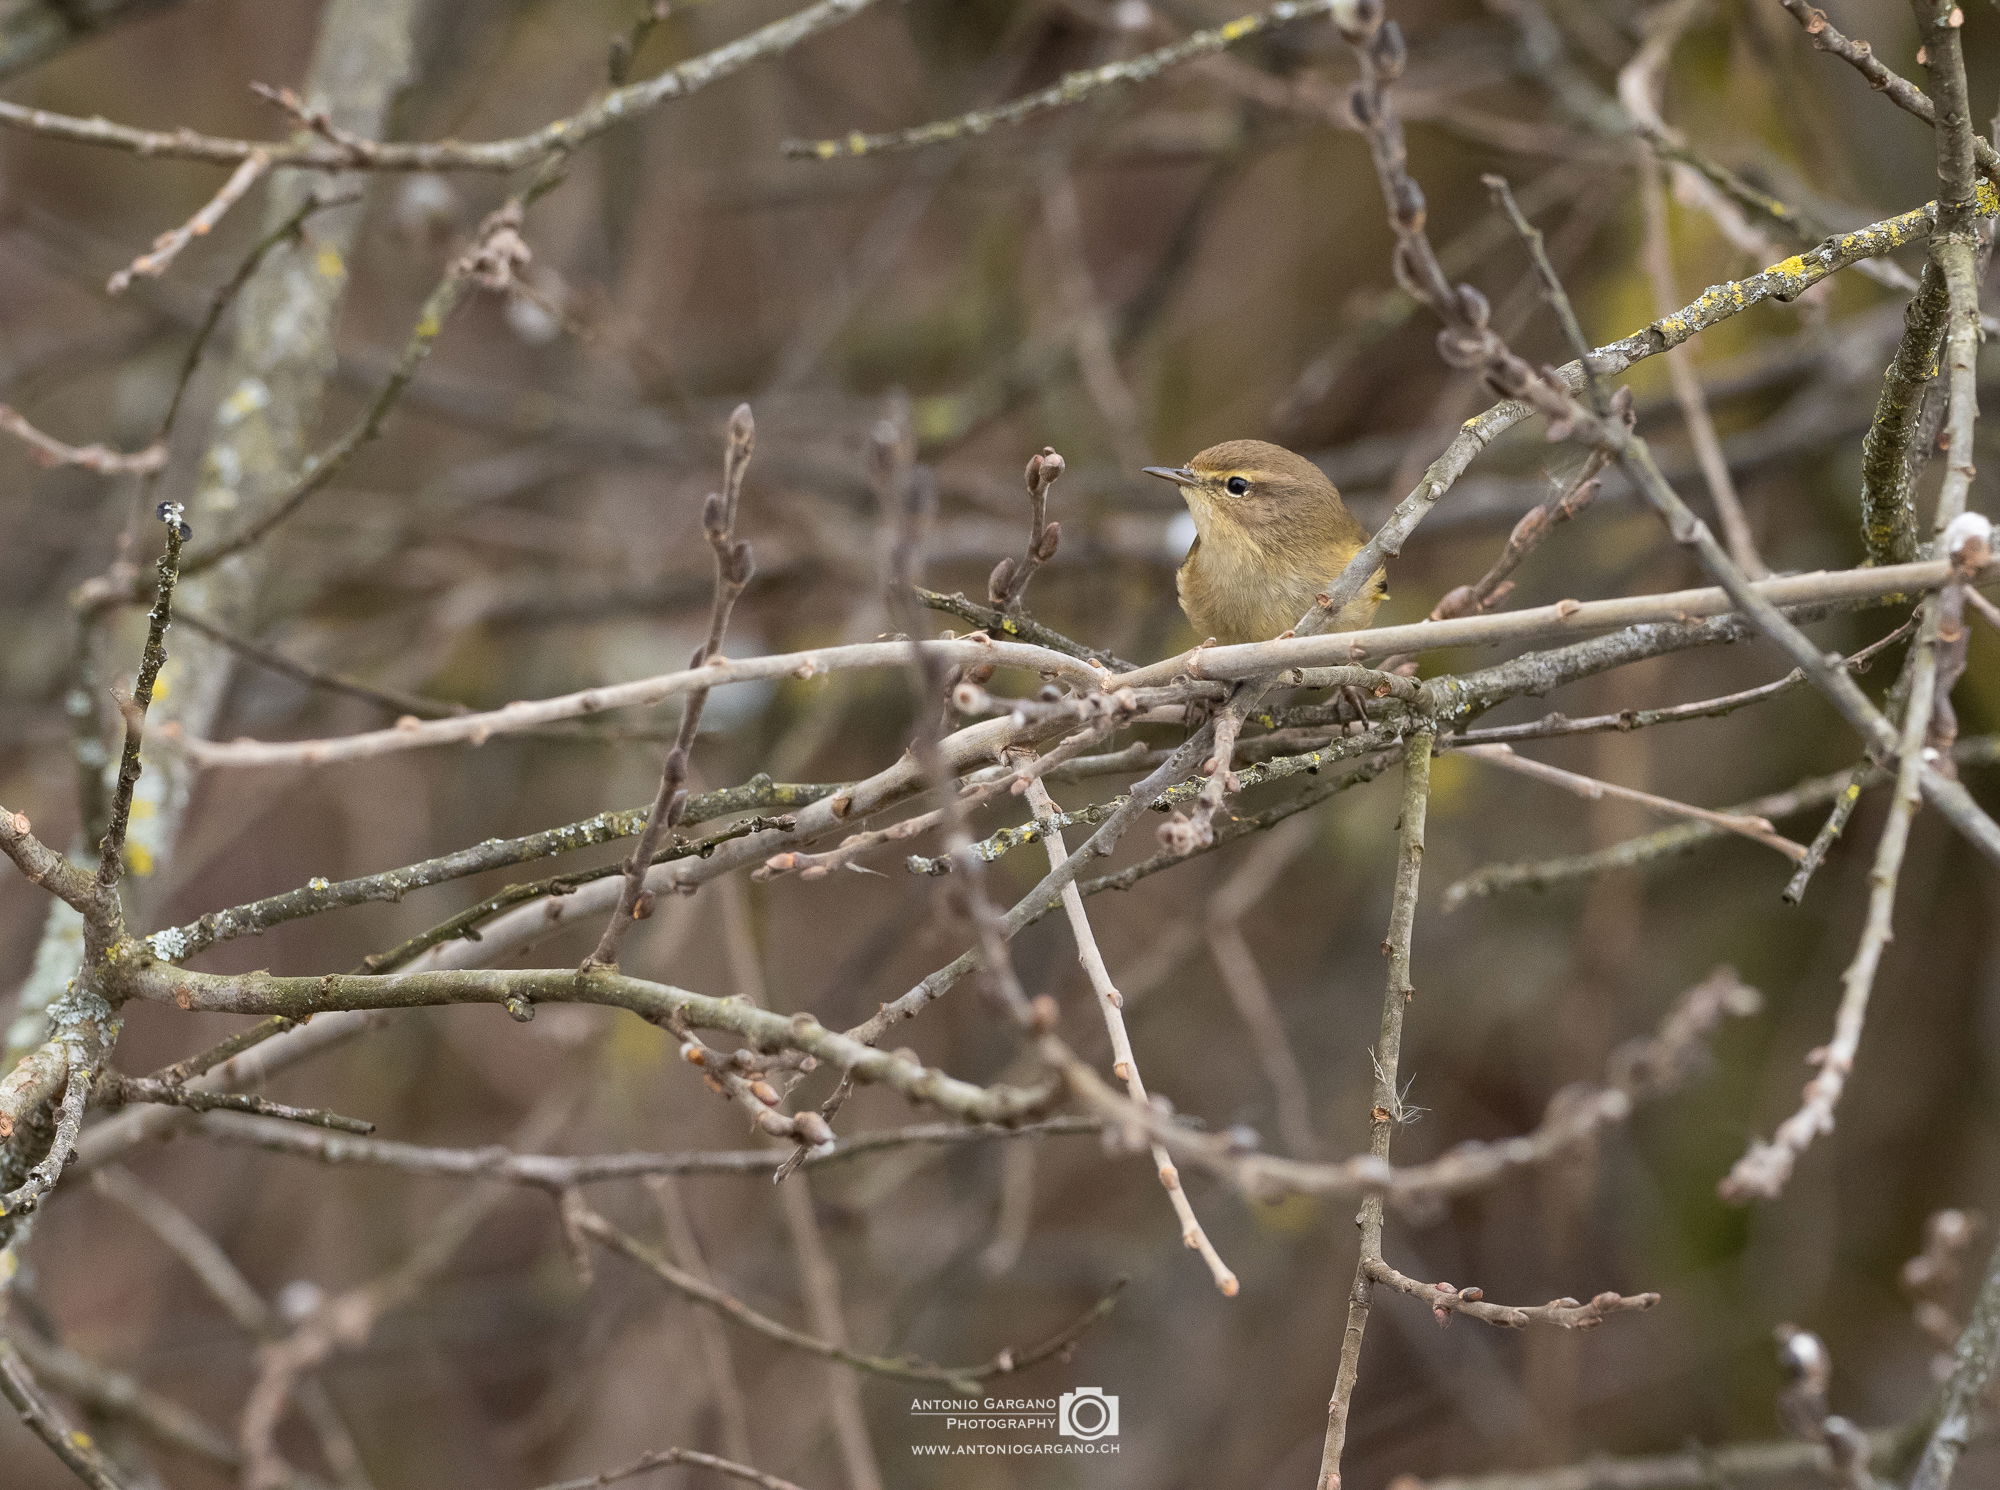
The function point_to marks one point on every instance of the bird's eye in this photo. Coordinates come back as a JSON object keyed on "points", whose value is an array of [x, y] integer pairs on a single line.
{"points": [[1236, 486]]}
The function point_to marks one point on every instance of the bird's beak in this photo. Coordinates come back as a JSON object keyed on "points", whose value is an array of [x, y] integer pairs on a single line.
{"points": [[1179, 475]]}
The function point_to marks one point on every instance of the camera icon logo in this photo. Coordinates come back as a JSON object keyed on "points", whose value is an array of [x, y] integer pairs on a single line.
{"points": [[1087, 1413]]}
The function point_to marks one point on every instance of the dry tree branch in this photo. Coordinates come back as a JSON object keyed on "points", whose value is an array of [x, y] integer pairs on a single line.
{"points": [[111, 851], [1551, 726], [1899, 90], [114, 1090], [345, 1321], [1014, 780], [1444, 1300], [49, 451], [1695, 415], [1021, 628], [167, 247], [1246, 660], [559, 137], [1244, 979], [76, 1449], [733, 567], [906, 1368], [559, 1172], [1975, 1358], [1783, 281], [1817, 791], [820, 1281], [100, 1389], [1757, 829], [1639, 1070], [225, 1283], [1764, 1169], [1007, 587], [318, 120], [477, 728], [1124, 1064], [41, 865], [489, 261], [253, 918], [29, 1194], [1526, 536], [1468, 340], [684, 1249], [1967, 540], [1071, 89], [261, 993], [1397, 993]]}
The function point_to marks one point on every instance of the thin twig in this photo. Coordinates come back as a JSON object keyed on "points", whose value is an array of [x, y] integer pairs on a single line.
{"points": [[111, 851], [733, 567], [1757, 829], [1965, 1389], [820, 1282], [167, 247], [1567, 618], [1397, 992], [906, 1368], [115, 1090], [1007, 586], [1764, 1169], [474, 266], [1884, 79], [76, 1449], [1542, 874], [1444, 1300], [1124, 1064], [1687, 387], [49, 451], [1071, 89], [559, 136]]}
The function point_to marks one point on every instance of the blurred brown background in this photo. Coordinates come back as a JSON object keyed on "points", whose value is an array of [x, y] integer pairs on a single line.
{"points": [[529, 524]]}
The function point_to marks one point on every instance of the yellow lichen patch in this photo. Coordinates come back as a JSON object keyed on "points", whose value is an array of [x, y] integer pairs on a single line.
{"points": [[429, 327], [329, 262], [1791, 268], [1237, 29]]}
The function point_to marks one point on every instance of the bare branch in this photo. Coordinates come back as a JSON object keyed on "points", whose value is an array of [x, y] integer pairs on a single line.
{"points": [[557, 137], [167, 247]]}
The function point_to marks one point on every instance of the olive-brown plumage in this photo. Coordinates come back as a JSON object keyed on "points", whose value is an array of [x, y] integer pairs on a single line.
{"points": [[1271, 535]]}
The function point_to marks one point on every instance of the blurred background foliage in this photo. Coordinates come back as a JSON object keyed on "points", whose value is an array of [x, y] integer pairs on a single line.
{"points": [[529, 524]]}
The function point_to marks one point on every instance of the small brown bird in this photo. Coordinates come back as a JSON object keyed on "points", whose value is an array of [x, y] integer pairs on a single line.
{"points": [[1271, 536]]}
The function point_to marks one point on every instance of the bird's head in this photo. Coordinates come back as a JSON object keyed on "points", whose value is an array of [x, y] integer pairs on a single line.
{"points": [[1255, 486]]}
